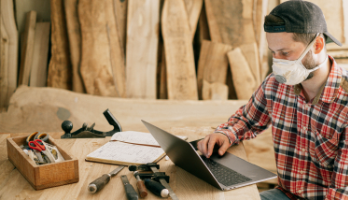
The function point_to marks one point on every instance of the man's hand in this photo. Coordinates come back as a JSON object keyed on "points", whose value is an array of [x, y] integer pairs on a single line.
{"points": [[206, 145]]}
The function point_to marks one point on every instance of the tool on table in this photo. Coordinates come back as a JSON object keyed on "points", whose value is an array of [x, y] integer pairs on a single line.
{"points": [[37, 135], [156, 188], [89, 132], [130, 192], [38, 146], [57, 156], [34, 157], [100, 182], [154, 176], [140, 185], [154, 168]]}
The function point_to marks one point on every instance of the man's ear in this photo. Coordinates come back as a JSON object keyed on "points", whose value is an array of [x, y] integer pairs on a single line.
{"points": [[319, 44]]}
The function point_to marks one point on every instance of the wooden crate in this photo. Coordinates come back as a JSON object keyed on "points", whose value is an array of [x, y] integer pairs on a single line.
{"points": [[42, 176]]}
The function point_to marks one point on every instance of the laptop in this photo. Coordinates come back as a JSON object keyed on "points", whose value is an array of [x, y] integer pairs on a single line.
{"points": [[224, 172]]}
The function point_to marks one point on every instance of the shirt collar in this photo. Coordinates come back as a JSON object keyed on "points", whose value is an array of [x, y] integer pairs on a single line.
{"points": [[329, 91]]}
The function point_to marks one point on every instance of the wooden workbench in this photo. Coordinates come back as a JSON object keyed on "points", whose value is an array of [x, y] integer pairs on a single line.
{"points": [[186, 186]]}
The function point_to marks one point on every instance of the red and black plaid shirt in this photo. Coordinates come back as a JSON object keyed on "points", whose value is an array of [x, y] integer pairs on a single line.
{"points": [[310, 138]]}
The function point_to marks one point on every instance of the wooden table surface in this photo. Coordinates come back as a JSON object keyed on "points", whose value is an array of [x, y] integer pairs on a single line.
{"points": [[186, 186]]}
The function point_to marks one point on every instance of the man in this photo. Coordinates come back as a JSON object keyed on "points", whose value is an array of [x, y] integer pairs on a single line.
{"points": [[305, 100]]}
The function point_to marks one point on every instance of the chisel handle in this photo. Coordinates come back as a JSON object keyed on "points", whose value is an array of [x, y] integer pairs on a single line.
{"points": [[98, 183], [131, 193], [141, 188]]}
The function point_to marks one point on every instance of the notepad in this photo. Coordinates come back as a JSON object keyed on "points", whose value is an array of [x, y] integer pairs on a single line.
{"points": [[129, 148]]}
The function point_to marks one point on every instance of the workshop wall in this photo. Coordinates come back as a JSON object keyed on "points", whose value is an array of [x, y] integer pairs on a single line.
{"points": [[147, 49]]}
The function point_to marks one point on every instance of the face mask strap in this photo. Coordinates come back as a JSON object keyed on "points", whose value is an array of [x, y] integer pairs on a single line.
{"points": [[308, 48]]}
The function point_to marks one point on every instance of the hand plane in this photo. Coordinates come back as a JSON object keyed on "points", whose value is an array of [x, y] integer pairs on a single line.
{"points": [[89, 132]]}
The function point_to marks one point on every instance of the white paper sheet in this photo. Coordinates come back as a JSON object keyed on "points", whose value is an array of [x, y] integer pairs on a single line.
{"points": [[120, 152]]}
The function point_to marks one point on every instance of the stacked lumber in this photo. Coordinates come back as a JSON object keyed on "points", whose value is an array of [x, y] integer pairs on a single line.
{"points": [[8, 53], [148, 49], [153, 49], [34, 52]]}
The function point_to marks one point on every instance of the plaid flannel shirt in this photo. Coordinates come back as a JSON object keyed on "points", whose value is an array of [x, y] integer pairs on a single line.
{"points": [[310, 138]]}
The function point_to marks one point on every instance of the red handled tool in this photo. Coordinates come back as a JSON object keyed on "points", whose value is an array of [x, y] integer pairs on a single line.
{"points": [[39, 146]]}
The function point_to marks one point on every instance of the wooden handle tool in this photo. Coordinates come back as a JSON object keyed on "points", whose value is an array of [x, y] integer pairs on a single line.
{"points": [[140, 185], [100, 182]]}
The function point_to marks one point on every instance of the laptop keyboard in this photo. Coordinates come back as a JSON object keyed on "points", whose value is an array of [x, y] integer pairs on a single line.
{"points": [[224, 175]]}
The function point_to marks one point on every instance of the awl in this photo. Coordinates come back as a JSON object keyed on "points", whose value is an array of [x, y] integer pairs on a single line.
{"points": [[100, 182]]}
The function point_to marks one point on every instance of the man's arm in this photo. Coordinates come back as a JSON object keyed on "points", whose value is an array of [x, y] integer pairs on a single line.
{"points": [[339, 181], [246, 123]]}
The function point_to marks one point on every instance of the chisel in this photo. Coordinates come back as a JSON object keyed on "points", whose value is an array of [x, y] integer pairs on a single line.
{"points": [[100, 182], [130, 191], [140, 185]]}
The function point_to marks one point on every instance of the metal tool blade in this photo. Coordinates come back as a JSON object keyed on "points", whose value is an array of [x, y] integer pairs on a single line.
{"points": [[124, 179], [115, 171], [130, 191]]}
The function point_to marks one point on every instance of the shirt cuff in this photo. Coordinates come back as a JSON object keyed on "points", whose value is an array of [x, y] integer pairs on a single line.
{"points": [[232, 137]]}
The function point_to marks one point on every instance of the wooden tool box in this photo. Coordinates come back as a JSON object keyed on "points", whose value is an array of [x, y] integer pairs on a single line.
{"points": [[42, 176]]}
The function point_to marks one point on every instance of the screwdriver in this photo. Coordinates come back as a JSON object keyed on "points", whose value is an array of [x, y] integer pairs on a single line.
{"points": [[100, 182], [140, 185], [156, 188]]}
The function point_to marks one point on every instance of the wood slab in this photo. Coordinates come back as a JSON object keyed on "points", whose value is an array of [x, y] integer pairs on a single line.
{"points": [[181, 76], [9, 24], [214, 91], [230, 22], [345, 20], [142, 47], [38, 72], [212, 64], [74, 35], [27, 51], [193, 9], [4, 82], [203, 32], [203, 28], [250, 52], [102, 62], [242, 76], [259, 13], [59, 69], [162, 76], [120, 10], [116, 52], [47, 108]]}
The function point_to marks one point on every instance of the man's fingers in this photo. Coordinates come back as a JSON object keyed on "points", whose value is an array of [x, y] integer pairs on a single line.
{"points": [[211, 144], [224, 147], [206, 145], [202, 145]]}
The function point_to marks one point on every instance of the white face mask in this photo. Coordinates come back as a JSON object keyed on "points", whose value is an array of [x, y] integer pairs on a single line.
{"points": [[293, 72]]}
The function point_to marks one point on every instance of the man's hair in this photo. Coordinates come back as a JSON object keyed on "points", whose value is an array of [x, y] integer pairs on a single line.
{"points": [[305, 38]]}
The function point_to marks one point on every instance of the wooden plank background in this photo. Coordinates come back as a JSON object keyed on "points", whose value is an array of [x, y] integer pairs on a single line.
{"points": [[113, 49], [142, 46]]}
